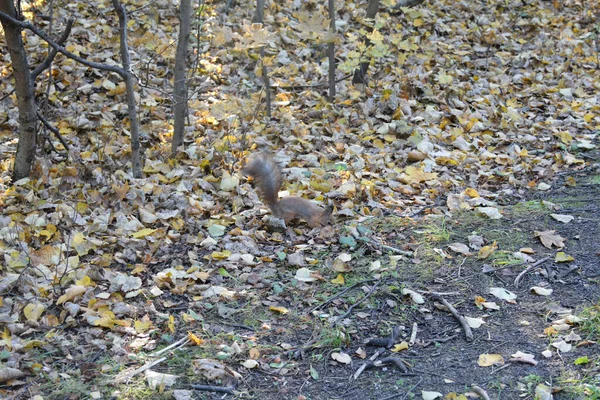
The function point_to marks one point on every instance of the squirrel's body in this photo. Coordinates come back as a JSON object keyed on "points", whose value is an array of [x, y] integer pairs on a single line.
{"points": [[266, 174]]}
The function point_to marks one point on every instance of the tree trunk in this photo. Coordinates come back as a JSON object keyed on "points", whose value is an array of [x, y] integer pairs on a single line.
{"points": [[259, 19], [331, 51], [25, 96], [361, 72], [180, 91], [136, 168], [259, 12]]}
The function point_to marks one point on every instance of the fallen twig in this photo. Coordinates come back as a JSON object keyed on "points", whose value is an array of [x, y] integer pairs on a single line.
{"points": [[480, 392], [526, 270], [217, 389], [344, 315], [459, 318], [128, 376], [391, 360], [439, 340], [53, 130], [413, 335], [371, 359], [384, 342], [329, 300], [385, 246], [183, 341]]}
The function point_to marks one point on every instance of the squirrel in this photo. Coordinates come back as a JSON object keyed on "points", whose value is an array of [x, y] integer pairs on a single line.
{"points": [[266, 174]]}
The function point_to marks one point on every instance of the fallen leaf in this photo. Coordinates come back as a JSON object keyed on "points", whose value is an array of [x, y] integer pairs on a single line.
{"points": [[549, 239], [474, 322], [562, 257], [159, 380], [541, 291], [71, 293], [430, 395], [250, 364], [487, 360], [280, 310], [341, 357], [33, 311], [503, 294], [524, 358], [562, 346], [563, 218], [414, 296], [400, 346]]}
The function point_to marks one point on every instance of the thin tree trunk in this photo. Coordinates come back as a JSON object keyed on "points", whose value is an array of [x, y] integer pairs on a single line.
{"points": [[25, 96], [258, 19], [180, 90], [131, 107], [259, 13], [361, 72], [331, 51]]}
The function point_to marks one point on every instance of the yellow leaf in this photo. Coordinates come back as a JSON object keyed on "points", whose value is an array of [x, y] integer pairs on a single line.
{"points": [[413, 174], [220, 255], [472, 193], [70, 294], [565, 137], [339, 280], [85, 281], [142, 325], [550, 331], [487, 360], [400, 346], [379, 144], [48, 233], [34, 343], [33, 311], [486, 251], [418, 22], [105, 321], [177, 223], [171, 324], [563, 257], [281, 310], [143, 233], [195, 339], [81, 245]]}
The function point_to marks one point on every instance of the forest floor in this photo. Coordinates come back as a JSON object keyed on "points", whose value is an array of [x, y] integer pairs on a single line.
{"points": [[565, 322], [297, 349]]}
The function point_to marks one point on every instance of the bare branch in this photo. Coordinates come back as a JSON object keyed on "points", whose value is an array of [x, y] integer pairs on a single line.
{"points": [[29, 26], [48, 60], [54, 130]]}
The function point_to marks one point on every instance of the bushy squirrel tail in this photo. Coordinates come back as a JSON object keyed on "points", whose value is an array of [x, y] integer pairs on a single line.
{"points": [[266, 174]]}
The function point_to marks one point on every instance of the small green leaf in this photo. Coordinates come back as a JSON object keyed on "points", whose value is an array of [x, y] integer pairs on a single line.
{"points": [[281, 255], [348, 241], [581, 360], [223, 272], [313, 373]]}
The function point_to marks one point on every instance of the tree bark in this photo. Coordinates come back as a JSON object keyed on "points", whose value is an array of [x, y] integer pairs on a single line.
{"points": [[331, 51], [136, 168], [180, 91], [259, 19], [25, 96], [259, 13], [361, 72]]}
